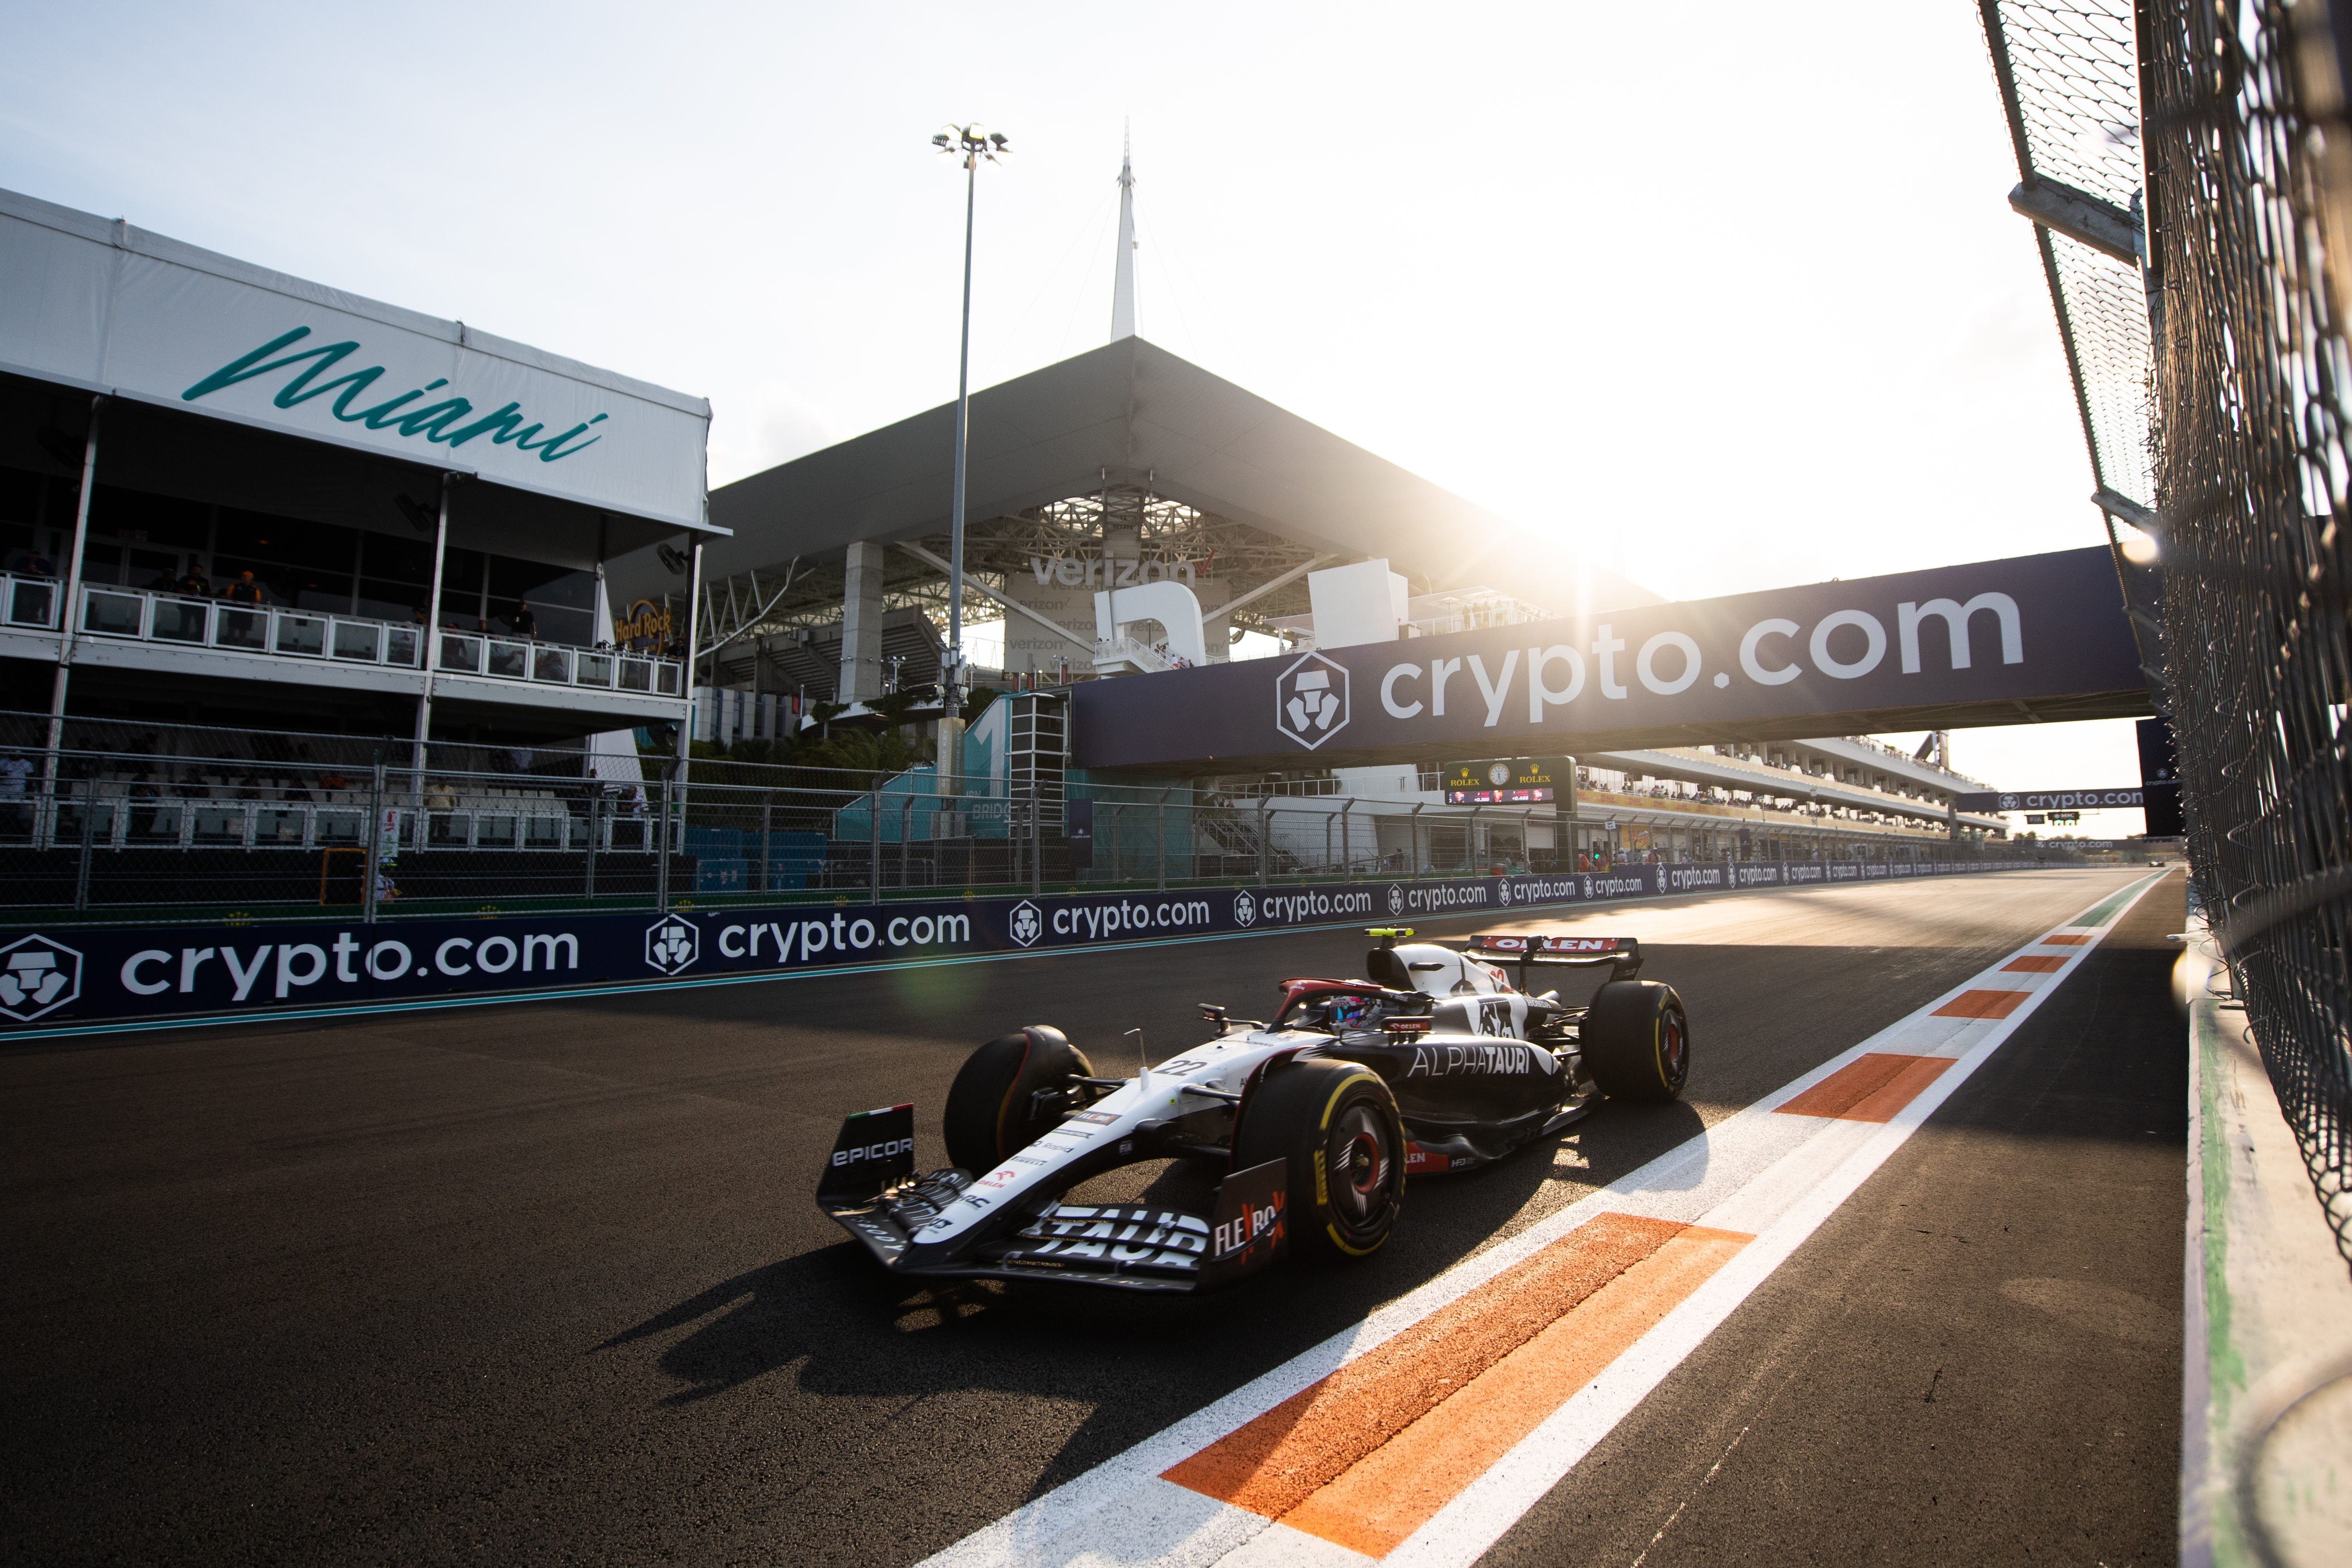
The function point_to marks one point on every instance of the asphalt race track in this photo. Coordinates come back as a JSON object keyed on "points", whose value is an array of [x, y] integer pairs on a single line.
{"points": [[543, 1282]]}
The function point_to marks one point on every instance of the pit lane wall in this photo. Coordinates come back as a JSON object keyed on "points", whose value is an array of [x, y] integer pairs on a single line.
{"points": [[85, 975]]}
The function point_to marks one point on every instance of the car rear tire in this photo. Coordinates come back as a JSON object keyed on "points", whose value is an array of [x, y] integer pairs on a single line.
{"points": [[1336, 1125], [1637, 1041], [992, 1110]]}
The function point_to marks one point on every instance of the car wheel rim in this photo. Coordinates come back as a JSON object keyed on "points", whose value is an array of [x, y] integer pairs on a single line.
{"points": [[1364, 1167], [1673, 1050]]}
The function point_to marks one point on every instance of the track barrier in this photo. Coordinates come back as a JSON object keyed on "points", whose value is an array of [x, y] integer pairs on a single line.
{"points": [[79, 975]]}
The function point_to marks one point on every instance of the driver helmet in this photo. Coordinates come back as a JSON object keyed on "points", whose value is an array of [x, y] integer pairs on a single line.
{"points": [[1348, 1010]]}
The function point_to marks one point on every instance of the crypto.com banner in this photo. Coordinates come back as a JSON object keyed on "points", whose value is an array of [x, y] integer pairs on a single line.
{"points": [[1792, 661], [72, 975]]}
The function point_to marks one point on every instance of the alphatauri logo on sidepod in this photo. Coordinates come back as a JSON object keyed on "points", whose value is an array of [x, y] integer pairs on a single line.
{"points": [[37, 976], [1027, 925], [672, 944], [1310, 699]]}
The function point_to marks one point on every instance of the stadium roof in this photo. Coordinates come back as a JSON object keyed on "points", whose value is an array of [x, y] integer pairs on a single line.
{"points": [[1132, 413]]}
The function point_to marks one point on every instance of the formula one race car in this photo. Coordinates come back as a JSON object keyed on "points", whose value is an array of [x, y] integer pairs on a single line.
{"points": [[1437, 1063]]}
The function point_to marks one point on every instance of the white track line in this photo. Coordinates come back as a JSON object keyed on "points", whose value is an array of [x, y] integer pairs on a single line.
{"points": [[1775, 1177]]}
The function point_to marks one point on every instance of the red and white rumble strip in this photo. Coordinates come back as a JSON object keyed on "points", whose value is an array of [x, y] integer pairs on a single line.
{"points": [[1422, 1435]]}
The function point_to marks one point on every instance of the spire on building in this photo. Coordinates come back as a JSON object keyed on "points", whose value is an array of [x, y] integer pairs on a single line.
{"points": [[1122, 292]]}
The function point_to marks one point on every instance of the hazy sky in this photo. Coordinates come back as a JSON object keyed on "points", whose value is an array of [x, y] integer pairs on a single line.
{"points": [[1734, 298]]}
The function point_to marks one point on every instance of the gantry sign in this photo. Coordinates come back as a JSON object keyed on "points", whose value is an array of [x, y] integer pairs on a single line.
{"points": [[1993, 642]]}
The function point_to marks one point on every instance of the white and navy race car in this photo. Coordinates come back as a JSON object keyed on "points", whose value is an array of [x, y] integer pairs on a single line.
{"points": [[1442, 1061]]}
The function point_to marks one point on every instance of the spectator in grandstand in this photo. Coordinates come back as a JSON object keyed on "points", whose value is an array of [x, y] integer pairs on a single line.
{"points": [[521, 620], [194, 584]]}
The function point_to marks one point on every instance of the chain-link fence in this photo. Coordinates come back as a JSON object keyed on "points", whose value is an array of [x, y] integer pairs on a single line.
{"points": [[2253, 459], [2073, 94], [2203, 137], [284, 828]]}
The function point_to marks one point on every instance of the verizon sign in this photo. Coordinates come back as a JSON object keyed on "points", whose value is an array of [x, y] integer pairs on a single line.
{"points": [[1979, 644]]}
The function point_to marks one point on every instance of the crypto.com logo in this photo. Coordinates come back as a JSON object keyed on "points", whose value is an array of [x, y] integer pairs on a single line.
{"points": [[672, 944], [1027, 924], [39, 977], [1310, 699], [1245, 909]]}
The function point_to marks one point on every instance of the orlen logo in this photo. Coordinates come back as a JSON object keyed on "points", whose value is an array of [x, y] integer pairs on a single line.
{"points": [[1310, 699], [1263, 1220], [882, 1151]]}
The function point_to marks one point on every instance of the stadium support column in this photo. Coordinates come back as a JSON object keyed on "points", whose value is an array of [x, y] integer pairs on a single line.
{"points": [[693, 637], [861, 623], [67, 620], [432, 655]]}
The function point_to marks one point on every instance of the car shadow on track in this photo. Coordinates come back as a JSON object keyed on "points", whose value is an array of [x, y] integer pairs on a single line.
{"points": [[1124, 1365]]}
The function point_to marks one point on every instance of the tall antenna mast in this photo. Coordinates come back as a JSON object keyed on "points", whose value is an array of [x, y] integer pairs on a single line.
{"points": [[1122, 292]]}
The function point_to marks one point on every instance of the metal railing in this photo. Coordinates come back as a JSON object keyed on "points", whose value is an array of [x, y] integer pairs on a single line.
{"points": [[122, 838], [1127, 650], [148, 615]]}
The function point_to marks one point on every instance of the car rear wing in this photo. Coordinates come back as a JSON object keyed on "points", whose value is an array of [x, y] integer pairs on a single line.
{"points": [[1621, 955]]}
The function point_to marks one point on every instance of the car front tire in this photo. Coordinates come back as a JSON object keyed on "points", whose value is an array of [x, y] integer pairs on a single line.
{"points": [[1336, 1125], [991, 1110]]}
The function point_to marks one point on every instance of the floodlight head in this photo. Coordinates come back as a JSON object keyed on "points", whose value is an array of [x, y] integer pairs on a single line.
{"points": [[998, 138], [942, 141]]}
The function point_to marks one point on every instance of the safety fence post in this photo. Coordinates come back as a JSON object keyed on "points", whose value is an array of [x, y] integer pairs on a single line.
{"points": [[1413, 839], [596, 811], [661, 856], [874, 842], [1159, 840], [1264, 834], [89, 826], [906, 838], [1037, 840], [1348, 839], [372, 845]]}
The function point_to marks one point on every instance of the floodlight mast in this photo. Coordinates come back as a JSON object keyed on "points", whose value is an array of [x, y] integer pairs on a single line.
{"points": [[975, 146]]}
